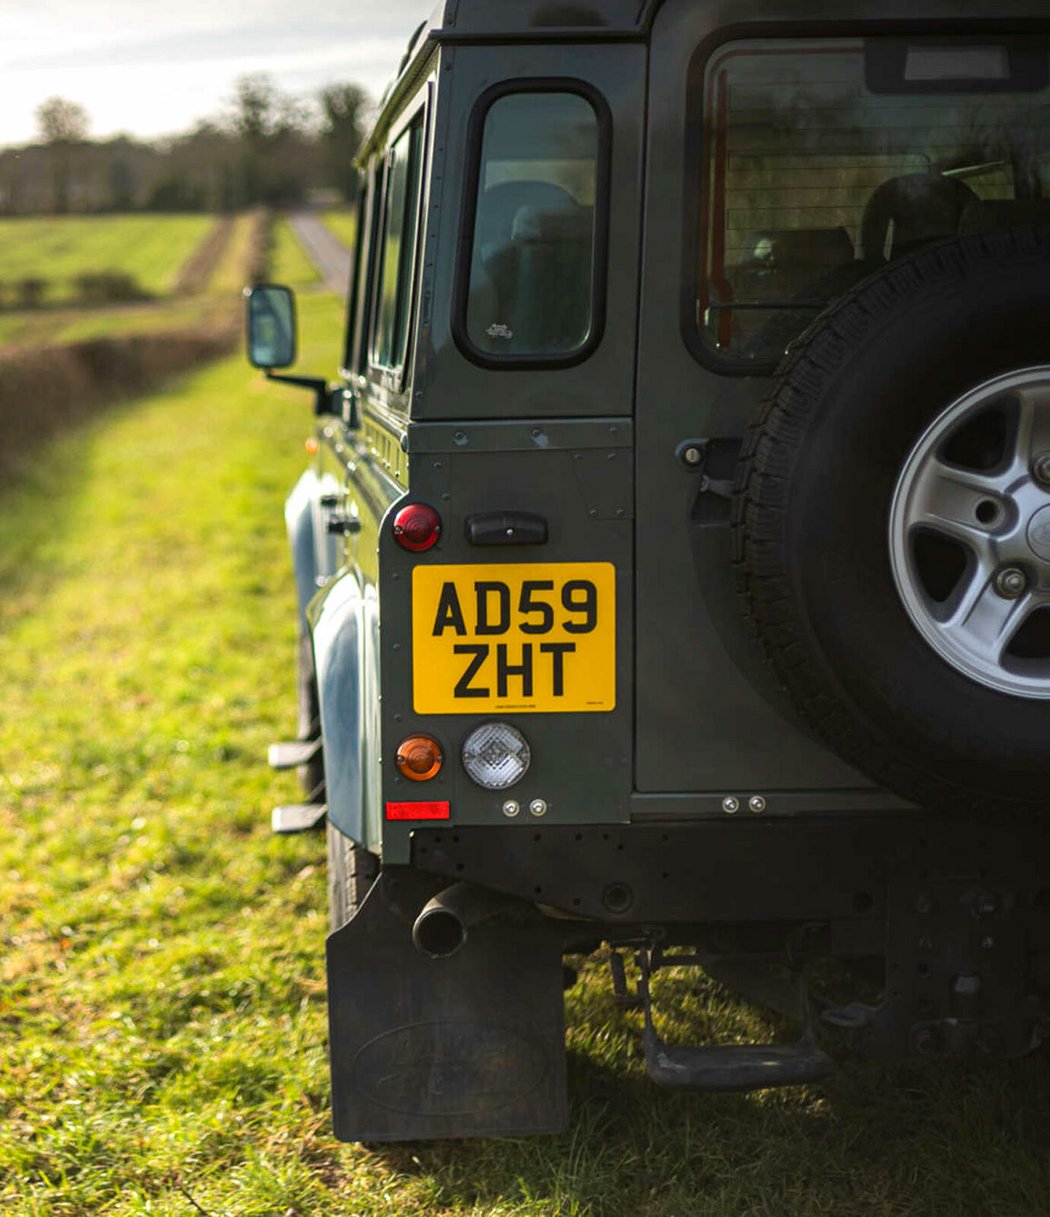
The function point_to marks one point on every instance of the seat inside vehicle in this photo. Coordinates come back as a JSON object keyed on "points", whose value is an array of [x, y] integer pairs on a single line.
{"points": [[534, 248], [907, 212]]}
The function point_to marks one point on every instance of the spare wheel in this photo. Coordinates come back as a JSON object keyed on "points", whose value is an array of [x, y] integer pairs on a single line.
{"points": [[892, 524]]}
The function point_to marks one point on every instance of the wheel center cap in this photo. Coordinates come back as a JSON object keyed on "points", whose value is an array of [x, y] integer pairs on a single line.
{"points": [[1038, 533]]}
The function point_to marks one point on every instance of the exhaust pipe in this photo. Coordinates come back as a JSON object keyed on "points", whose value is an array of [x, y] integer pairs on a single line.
{"points": [[441, 928]]}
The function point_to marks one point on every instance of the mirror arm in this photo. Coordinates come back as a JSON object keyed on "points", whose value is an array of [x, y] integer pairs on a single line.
{"points": [[322, 401]]}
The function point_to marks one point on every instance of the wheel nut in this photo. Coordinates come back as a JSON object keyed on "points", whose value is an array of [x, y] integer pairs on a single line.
{"points": [[1041, 469], [1010, 582]]}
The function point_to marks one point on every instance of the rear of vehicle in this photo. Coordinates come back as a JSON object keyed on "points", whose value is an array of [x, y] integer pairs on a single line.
{"points": [[534, 550]]}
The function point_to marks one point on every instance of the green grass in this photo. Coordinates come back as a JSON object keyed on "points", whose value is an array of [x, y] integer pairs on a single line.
{"points": [[162, 1022], [291, 265], [231, 273], [149, 247], [343, 223]]}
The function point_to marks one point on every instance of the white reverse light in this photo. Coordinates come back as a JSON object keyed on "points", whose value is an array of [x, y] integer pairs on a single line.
{"points": [[496, 755]]}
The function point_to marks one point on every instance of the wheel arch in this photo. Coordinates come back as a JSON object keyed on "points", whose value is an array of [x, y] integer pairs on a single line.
{"points": [[343, 620]]}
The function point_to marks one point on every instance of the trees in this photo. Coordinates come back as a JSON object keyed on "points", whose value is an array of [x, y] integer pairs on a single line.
{"points": [[62, 123], [276, 145], [343, 110], [266, 146]]}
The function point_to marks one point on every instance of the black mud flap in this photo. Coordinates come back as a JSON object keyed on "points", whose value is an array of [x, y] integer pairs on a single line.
{"points": [[468, 1045]]}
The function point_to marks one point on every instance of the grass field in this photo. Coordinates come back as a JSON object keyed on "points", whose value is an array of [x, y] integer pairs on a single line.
{"points": [[291, 265], [149, 247], [162, 1024], [344, 224], [230, 275]]}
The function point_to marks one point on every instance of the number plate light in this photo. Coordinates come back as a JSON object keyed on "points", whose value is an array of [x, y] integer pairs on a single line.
{"points": [[496, 755]]}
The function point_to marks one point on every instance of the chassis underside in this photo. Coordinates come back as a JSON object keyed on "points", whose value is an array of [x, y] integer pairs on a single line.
{"points": [[445, 990]]}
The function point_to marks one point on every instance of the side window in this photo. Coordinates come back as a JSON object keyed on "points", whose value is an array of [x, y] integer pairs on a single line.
{"points": [[532, 290], [824, 160], [402, 187], [357, 291]]}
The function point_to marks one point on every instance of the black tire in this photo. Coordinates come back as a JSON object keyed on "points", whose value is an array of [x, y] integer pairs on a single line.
{"points": [[311, 775], [351, 872], [817, 478]]}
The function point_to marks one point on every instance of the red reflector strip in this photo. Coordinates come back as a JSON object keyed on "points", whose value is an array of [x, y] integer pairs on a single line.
{"points": [[417, 811]]}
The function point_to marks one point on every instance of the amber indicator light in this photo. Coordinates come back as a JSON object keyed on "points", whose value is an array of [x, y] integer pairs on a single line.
{"points": [[417, 527], [419, 758]]}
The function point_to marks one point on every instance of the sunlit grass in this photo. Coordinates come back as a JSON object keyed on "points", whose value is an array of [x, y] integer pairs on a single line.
{"points": [[149, 247], [291, 265], [342, 222], [230, 275]]}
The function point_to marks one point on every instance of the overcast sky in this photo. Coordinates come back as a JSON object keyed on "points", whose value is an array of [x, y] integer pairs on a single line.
{"points": [[152, 67]]}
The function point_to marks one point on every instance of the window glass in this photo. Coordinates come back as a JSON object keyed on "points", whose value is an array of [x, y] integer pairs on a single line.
{"points": [[822, 164], [400, 220], [530, 290], [354, 293]]}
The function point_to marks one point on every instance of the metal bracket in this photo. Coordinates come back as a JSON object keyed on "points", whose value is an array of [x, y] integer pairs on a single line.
{"points": [[715, 460]]}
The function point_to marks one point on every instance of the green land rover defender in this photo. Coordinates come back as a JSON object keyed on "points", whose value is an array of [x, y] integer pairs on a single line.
{"points": [[673, 570]]}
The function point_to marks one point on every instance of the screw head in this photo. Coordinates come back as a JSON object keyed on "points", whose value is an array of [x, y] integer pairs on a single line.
{"points": [[730, 804], [511, 807], [1010, 582], [538, 807], [692, 455], [757, 804], [1041, 468]]}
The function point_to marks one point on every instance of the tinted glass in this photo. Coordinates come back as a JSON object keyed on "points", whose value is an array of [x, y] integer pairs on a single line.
{"points": [[826, 160], [532, 260], [400, 220]]}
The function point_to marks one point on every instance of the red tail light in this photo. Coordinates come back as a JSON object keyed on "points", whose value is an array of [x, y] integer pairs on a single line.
{"points": [[417, 527]]}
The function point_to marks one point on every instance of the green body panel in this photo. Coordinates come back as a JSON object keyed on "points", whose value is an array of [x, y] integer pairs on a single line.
{"points": [[594, 448]]}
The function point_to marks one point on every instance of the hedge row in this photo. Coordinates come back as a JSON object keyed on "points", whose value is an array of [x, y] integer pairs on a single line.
{"points": [[46, 389]]}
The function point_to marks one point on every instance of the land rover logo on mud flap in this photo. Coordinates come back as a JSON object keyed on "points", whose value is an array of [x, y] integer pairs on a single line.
{"points": [[446, 1069], [1038, 533]]}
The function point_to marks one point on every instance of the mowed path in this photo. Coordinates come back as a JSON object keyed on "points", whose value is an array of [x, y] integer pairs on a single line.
{"points": [[331, 257]]}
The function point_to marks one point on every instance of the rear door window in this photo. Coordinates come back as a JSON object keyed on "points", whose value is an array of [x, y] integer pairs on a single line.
{"points": [[532, 267]]}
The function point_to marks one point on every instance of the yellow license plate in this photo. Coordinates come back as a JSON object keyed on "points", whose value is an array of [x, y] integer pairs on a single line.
{"points": [[515, 637]]}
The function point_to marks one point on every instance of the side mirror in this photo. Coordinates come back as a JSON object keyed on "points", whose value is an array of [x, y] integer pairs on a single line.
{"points": [[271, 326]]}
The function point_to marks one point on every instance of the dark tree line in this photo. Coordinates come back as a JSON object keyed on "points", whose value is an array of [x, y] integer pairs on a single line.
{"points": [[268, 147]]}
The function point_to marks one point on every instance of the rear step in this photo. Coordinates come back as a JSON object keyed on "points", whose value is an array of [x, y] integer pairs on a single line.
{"points": [[735, 1066], [297, 817], [293, 753], [731, 1066]]}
